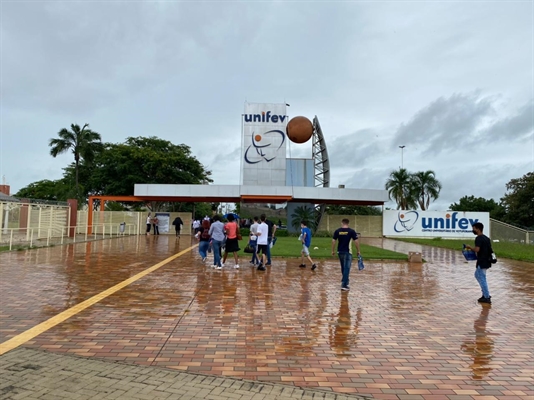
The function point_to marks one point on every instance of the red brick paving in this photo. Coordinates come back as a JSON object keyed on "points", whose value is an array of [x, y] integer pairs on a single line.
{"points": [[403, 331]]}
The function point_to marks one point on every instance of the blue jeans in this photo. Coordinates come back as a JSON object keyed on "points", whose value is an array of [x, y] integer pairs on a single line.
{"points": [[480, 275], [269, 241], [255, 259], [217, 244], [203, 248], [345, 259]]}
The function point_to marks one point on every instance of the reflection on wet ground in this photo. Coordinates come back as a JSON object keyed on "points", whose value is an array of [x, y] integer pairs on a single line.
{"points": [[403, 330]]}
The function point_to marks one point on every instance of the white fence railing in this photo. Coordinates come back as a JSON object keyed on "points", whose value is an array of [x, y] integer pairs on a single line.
{"points": [[509, 233], [40, 237]]}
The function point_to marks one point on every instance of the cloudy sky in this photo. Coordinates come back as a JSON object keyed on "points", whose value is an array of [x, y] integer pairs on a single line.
{"points": [[452, 81]]}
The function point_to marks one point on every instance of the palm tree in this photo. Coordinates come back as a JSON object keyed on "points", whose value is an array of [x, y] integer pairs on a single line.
{"points": [[401, 189], [83, 142], [303, 213], [427, 187]]}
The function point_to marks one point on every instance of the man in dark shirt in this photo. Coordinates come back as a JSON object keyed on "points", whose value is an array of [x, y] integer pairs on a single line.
{"points": [[345, 236], [270, 236], [177, 225], [483, 250]]}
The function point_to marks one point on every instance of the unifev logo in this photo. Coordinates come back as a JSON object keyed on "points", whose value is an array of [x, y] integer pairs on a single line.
{"points": [[451, 223], [265, 117], [264, 147], [406, 221], [419, 223]]}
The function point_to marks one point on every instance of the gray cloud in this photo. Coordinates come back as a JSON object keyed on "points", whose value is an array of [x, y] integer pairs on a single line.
{"points": [[515, 127], [445, 122], [436, 78], [351, 151]]}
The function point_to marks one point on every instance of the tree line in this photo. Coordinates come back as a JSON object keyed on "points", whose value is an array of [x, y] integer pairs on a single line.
{"points": [[416, 190], [113, 169]]}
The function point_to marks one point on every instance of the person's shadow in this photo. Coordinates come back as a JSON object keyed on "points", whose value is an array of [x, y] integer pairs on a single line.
{"points": [[480, 348], [342, 335]]}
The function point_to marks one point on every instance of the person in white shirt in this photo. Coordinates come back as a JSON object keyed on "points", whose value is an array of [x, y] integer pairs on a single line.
{"points": [[253, 242], [196, 226], [262, 233], [148, 224]]}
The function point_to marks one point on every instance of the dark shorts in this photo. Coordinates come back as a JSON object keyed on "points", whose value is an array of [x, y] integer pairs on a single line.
{"points": [[148, 227], [232, 245], [262, 248]]}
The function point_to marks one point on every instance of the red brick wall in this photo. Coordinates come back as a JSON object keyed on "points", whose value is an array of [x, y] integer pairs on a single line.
{"points": [[4, 189]]}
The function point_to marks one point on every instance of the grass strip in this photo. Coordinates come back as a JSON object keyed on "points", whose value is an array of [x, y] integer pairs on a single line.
{"points": [[291, 247], [513, 251]]}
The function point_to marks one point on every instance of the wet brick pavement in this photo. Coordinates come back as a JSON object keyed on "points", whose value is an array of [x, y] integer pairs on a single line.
{"points": [[33, 374], [403, 331]]}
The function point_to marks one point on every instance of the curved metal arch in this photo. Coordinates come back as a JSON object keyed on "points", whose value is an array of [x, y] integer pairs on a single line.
{"points": [[321, 164]]}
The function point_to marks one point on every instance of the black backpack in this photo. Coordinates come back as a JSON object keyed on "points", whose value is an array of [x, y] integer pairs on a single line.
{"points": [[492, 257]]}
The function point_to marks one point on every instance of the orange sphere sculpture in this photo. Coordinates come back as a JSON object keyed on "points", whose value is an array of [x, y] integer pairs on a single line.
{"points": [[299, 129]]}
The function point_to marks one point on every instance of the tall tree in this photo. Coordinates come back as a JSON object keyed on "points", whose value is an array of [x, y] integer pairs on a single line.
{"points": [[472, 203], [46, 190], [519, 202], [426, 186], [401, 189], [119, 167], [83, 142]]}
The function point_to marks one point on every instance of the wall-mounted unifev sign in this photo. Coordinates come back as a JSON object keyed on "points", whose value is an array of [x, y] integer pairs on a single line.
{"points": [[264, 144], [451, 224]]}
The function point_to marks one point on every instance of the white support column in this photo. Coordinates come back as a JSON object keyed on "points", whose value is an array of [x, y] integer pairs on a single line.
{"points": [[1, 218], [39, 223], [68, 223], [51, 222], [28, 224]]}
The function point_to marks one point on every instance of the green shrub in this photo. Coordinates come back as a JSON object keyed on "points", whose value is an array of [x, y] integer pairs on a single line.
{"points": [[322, 234]]}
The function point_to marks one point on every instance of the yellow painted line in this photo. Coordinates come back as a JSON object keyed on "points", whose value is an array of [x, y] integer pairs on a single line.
{"points": [[22, 338]]}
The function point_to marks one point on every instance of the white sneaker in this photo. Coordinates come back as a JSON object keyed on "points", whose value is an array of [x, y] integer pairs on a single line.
{"points": [[222, 264], [236, 266], [204, 259], [213, 266], [218, 267]]}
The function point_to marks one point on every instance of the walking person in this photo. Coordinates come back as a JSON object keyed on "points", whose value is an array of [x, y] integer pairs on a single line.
{"points": [[203, 235], [253, 241], [217, 238], [155, 224], [483, 250], [262, 233], [196, 226], [232, 243], [272, 230], [148, 224], [345, 237], [305, 238], [177, 225]]}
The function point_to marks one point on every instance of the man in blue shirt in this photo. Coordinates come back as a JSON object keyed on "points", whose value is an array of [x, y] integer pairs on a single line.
{"points": [[344, 236], [305, 238]]}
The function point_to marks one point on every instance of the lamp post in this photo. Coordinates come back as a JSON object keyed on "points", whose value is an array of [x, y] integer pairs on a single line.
{"points": [[402, 155]]}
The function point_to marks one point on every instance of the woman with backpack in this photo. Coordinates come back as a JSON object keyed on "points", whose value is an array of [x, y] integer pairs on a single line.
{"points": [[232, 242], [203, 235]]}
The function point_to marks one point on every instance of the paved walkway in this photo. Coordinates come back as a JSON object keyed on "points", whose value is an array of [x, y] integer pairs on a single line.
{"points": [[34, 374], [403, 331]]}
